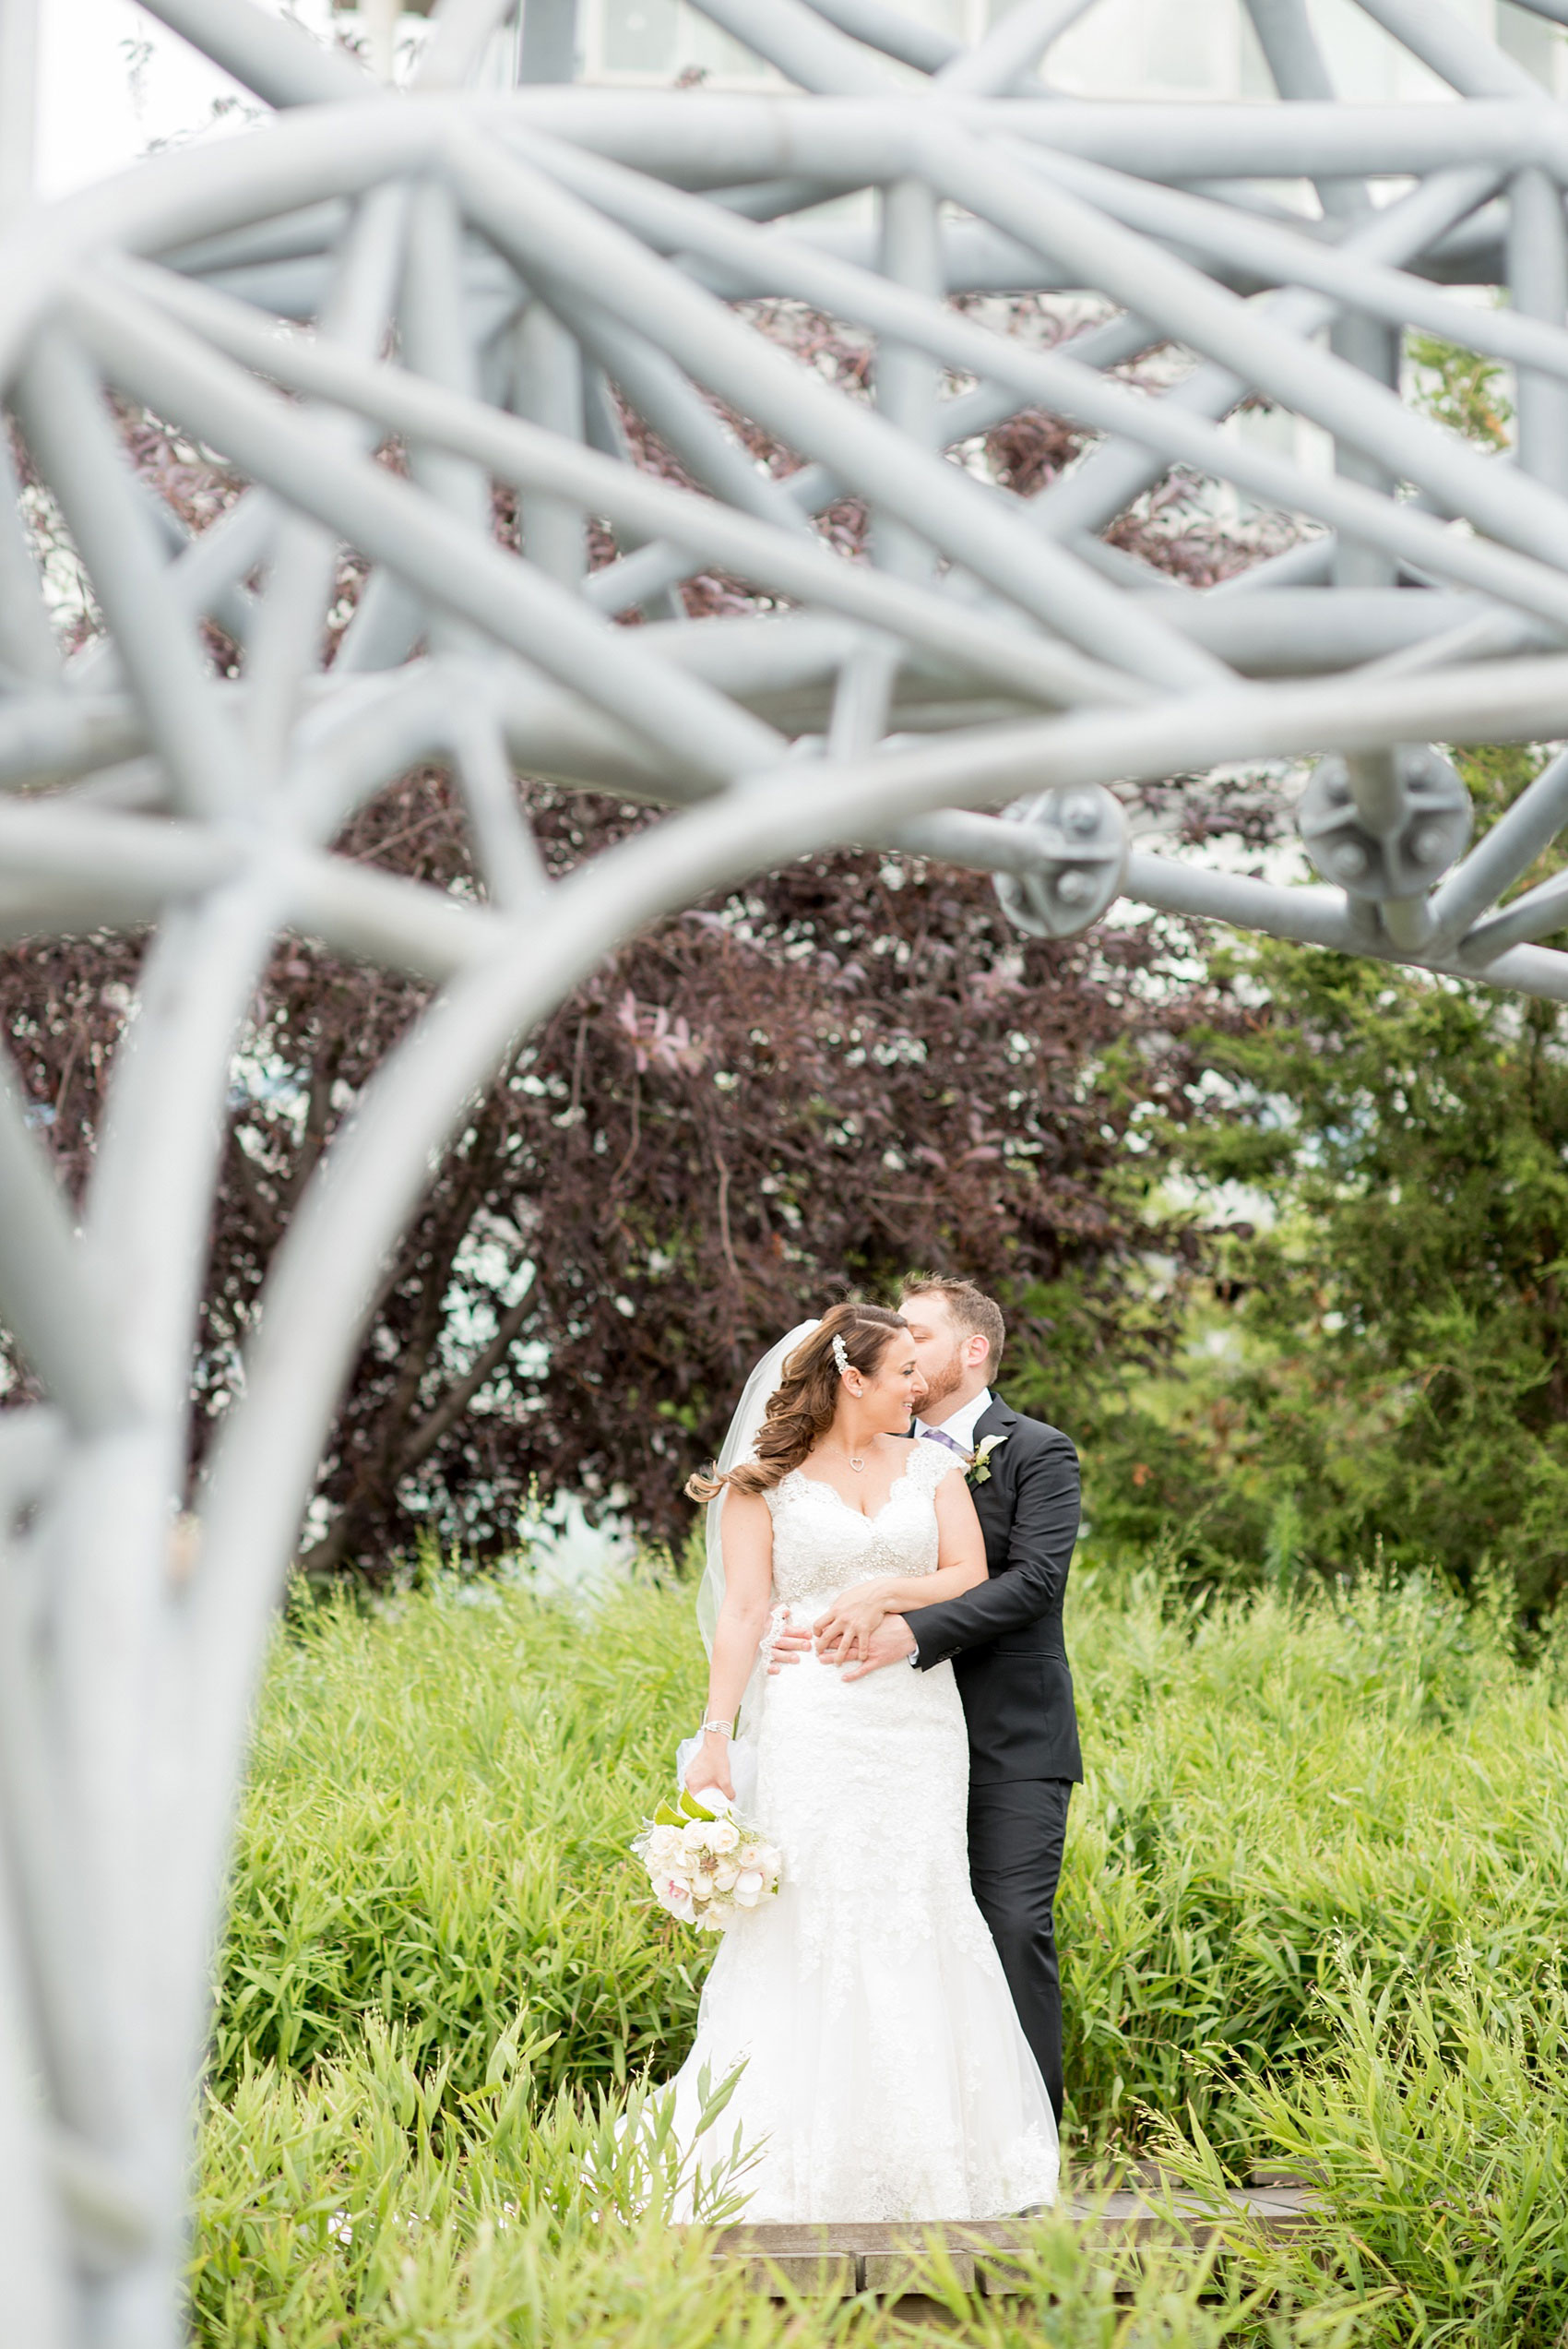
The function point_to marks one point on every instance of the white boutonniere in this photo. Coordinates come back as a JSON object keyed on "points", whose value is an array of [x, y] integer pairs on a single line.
{"points": [[979, 1468]]}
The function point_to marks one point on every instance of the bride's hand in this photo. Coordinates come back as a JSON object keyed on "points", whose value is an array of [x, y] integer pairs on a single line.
{"points": [[844, 1633], [710, 1766]]}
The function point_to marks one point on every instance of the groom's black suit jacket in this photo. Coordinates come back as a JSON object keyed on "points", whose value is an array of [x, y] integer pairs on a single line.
{"points": [[1004, 1636]]}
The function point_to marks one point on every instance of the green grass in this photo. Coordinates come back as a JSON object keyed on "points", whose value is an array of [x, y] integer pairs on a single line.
{"points": [[442, 1797], [368, 2207], [1313, 1913]]}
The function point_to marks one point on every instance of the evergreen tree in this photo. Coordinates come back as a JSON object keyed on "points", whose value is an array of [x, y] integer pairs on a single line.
{"points": [[1383, 1364]]}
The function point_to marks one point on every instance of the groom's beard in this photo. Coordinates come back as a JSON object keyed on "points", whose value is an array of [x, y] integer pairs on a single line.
{"points": [[941, 1385]]}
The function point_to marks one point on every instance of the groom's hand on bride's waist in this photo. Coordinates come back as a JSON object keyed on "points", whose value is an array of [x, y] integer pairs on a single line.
{"points": [[844, 1628], [891, 1642]]}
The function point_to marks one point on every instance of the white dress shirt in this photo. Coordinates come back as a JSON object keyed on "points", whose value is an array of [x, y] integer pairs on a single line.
{"points": [[960, 1430]]}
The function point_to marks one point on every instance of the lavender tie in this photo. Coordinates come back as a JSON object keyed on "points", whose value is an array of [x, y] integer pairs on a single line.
{"points": [[937, 1436]]}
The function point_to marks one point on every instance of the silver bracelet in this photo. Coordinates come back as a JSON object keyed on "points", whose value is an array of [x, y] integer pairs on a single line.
{"points": [[722, 1727]]}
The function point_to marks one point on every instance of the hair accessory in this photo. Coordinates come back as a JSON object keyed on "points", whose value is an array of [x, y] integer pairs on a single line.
{"points": [[840, 1352]]}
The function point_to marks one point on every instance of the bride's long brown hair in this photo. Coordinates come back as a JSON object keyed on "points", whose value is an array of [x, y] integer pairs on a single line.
{"points": [[801, 1407]]}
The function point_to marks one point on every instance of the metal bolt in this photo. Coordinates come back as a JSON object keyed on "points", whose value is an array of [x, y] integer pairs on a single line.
{"points": [[1079, 815], [1075, 886], [1350, 859], [1427, 843]]}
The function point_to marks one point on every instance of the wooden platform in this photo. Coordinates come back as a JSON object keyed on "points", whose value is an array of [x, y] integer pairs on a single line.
{"points": [[839, 2260]]}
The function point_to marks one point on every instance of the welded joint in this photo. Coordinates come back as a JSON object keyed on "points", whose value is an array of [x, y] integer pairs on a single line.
{"points": [[1385, 825], [1081, 864]]}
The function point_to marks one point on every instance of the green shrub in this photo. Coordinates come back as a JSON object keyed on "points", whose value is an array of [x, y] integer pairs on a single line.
{"points": [[441, 1799], [1382, 1365], [1437, 2126], [1314, 1907], [359, 2211], [1272, 1784]]}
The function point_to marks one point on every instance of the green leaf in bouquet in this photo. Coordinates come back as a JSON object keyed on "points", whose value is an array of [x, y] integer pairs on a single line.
{"points": [[692, 1808], [667, 1815]]}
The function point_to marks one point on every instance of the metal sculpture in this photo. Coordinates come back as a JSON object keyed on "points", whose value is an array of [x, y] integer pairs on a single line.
{"points": [[471, 274]]}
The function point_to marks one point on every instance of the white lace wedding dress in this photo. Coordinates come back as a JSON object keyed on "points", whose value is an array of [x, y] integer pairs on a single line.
{"points": [[887, 2076]]}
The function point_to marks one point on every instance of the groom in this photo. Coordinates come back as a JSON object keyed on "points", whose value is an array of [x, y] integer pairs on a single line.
{"points": [[1005, 1638]]}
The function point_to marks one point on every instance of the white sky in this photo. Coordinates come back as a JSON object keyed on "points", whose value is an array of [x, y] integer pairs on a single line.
{"points": [[114, 82], [97, 113]]}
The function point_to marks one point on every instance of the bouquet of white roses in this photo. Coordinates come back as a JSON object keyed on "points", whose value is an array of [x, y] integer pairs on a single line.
{"points": [[704, 1865]]}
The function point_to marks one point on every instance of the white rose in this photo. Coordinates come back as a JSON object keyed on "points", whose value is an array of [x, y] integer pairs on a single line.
{"points": [[694, 1833], [748, 1888], [752, 1854], [723, 1836], [664, 1846]]}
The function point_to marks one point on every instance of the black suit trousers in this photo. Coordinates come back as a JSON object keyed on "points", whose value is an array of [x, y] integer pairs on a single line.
{"points": [[1017, 1834]]}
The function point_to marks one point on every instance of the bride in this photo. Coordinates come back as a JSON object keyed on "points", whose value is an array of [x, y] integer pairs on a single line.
{"points": [[887, 2074]]}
